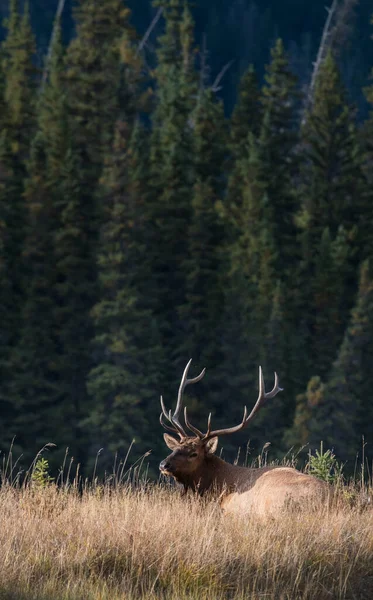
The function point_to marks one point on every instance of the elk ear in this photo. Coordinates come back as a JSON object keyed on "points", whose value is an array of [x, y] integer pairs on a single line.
{"points": [[170, 441], [211, 445]]}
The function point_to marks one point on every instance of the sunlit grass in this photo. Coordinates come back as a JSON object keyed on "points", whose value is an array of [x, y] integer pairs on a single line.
{"points": [[149, 542]]}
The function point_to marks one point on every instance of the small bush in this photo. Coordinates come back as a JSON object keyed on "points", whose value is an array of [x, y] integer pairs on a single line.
{"points": [[325, 466]]}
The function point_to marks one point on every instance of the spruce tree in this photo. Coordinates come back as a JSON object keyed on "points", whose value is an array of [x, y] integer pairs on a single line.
{"points": [[125, 381], [18, 83], [332, 188], [93, 78], [204, 297], [246, 115], [249, 283], [277, 143], [172, 170], [245, 119], [341, 416], [93, 83], [332, 163], [18, 124], [37, 391], [20, 79]]}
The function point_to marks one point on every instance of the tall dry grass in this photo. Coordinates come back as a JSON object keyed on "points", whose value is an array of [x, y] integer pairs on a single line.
{"points": [[150, 543]]}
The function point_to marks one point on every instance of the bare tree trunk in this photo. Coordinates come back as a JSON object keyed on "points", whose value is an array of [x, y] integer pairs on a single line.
{"points": [[323, 47], [59, 11], [215, 86], [335, 33], [150, 29]]}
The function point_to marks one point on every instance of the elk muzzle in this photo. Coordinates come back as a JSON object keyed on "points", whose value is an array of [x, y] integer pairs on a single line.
{"points": [[165, 467]]}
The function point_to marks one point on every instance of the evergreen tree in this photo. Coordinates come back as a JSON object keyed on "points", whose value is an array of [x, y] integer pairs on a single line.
{"points": [[125, 380], [93, 82], [18, 81], [277, 142], [339, 410], [332, 188], [249, 285], [172, 170], [204, 297], [8, 323], [332, 171], [246, 115], [37, 390], [18, 123], [245, 119], [93, 78]]}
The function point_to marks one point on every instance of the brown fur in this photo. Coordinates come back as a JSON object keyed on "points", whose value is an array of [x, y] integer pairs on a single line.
{"points": [[241, 489]]}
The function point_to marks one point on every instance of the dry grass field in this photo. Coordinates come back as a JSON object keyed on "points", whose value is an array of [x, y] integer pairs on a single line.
{"points": [[149, 542]]}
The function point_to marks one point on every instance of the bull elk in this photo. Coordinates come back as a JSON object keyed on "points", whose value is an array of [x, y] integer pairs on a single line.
{"points": [[241, 489]]}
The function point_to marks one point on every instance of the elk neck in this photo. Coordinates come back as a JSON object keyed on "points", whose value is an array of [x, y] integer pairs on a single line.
{"points": [[216, 475]]}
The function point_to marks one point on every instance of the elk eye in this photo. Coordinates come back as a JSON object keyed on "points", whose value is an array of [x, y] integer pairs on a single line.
{"points": [[193, 455]]}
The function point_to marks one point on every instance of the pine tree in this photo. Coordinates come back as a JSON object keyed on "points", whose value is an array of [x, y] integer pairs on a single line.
{"points": [[18, 123], [37, 390], [128, 355], [342, 413], [246, 118], [366, 216], [172, 169], [204, 297], [330, 287], [93, 77], [93, 80], [331, 195], [246, 115], [277, 142], [277, 349], [332, 172], [9, 323], [249, 285], [18, 82]]}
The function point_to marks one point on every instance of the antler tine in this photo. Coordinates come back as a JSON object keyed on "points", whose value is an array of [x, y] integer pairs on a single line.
{"points": [[164, 411], [184, 382], [172, 429], [190, 426], [262, 397], [208, 424], [174, 419], [177, 428]]}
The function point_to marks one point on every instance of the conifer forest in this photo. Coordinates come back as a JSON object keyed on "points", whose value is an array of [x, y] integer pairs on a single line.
{"points": [[156, 206]]}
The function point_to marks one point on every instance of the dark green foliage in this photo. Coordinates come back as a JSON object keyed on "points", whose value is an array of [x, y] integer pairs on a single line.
{"points": [[246, 118], [18, 81], [204, 296], [332, 190], [140, 227], [172, 170], [93, 77], [277, 142], [332, 171], [38, 389], [128, 353], [343, 412], [37, 392]]}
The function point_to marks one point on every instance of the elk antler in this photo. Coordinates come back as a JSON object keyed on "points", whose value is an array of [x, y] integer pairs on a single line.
{"points": [[263, 396], [174, 419]]}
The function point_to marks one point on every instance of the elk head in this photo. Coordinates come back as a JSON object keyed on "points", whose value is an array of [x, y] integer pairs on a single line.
{"points": [[190, 456]]}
